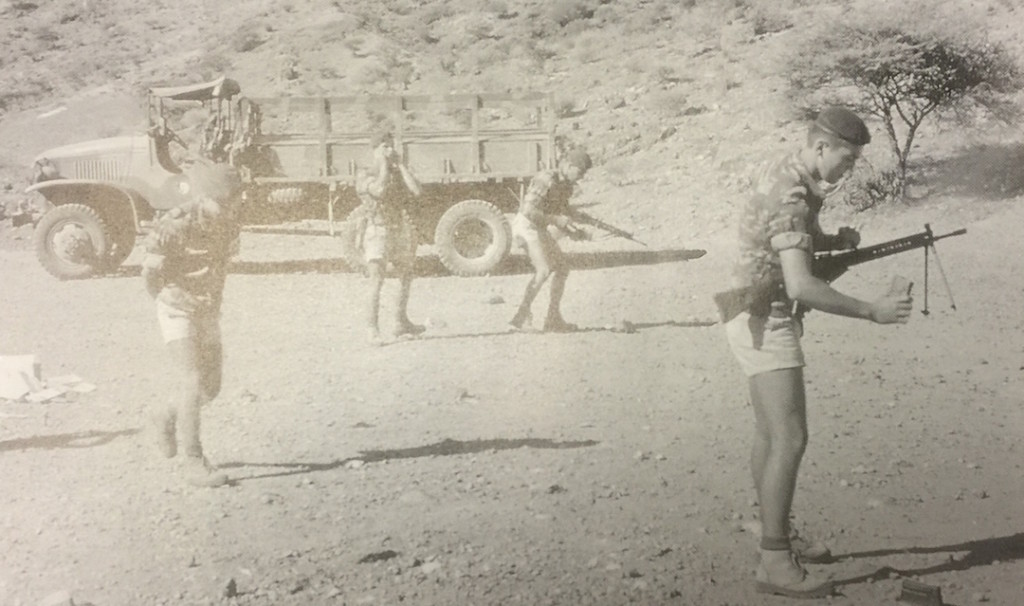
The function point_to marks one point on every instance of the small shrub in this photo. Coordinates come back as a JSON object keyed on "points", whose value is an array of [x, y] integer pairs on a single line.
{"points": [[868, 187]]}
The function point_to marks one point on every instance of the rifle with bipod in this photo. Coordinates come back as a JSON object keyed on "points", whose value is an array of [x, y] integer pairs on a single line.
{"points": [[829, 265]]}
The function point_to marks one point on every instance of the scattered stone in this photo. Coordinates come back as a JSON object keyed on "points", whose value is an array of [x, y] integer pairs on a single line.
{"points": [[379, 556], [430, 567], [496, 300], [555, 489], [59, 598], [979, 597], [354, 464]]}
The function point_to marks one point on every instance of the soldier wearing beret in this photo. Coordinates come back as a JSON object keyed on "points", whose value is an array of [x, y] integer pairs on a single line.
{"points": [[184, 270], [779, 233], [537, 210]]}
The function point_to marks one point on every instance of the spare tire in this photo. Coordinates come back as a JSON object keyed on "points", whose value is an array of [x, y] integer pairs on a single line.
{"points": [[472, 238], [351, 236]]}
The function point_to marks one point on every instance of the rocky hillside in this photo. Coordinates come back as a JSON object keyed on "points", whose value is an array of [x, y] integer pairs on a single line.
{"points": [[676, 100]]}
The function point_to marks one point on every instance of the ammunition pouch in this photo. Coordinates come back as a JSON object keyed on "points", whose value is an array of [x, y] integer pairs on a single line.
{"points": [[757, 300]]}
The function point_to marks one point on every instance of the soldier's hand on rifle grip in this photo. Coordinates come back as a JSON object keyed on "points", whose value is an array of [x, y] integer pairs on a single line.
{"points": [[560, 221], [895, 306]]}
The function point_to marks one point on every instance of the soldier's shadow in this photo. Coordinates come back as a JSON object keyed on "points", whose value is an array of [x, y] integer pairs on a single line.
{"points": [[621, 328], [447, 447], [79, 439], [982, 552]]}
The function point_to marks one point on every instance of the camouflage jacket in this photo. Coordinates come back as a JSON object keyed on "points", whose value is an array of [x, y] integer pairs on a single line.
{"points": [[189, 249], [385, 200], [544, 197], [782, 213]]}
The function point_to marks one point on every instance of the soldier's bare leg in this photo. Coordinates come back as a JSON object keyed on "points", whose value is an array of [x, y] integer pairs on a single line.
{"points": [[539, 258], [211, 367], [403, 325], [187, 357], [560, 273], [375, 272], [779, 402]]}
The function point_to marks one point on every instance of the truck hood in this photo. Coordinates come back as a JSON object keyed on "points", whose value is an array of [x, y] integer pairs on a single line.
{"points": [[111, 145]]}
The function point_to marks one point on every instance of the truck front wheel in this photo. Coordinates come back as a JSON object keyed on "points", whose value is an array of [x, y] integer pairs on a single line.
{"points": [[72, 241], [472, 238]]}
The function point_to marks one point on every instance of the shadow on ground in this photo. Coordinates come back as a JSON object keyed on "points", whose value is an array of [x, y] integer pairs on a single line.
{"points": [[624, 327], [431, 267], [447, 447], [983, 552], [80, 439], [984, 171]]}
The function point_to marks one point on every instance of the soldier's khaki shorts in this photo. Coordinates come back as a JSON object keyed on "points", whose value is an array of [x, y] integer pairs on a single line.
{"points": [[176, 324], [389, 244], [764, 344]]}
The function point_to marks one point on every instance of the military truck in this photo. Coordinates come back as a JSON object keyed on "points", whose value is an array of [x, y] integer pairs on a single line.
{"points": [[299, 156]]}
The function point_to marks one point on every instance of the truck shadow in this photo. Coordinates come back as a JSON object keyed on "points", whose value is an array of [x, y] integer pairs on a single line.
{"points": [[444, 448], [429, 266], [983, 552]]}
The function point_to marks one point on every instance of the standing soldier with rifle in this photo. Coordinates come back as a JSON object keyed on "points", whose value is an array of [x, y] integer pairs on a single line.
{"points": [[779, 233], [529, 227]]}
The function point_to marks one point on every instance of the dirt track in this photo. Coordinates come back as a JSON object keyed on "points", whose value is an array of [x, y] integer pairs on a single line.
{"points": [[479, 467]]}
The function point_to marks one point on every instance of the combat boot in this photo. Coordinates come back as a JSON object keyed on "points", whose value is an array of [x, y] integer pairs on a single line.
{"points": [[198, 472], [780, 573]]}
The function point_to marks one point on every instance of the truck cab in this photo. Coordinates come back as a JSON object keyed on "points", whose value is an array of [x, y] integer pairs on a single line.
{"points": [[96, 196]]}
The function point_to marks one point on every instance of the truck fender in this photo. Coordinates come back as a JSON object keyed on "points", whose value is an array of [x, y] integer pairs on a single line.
{"points": [[109, 199]]}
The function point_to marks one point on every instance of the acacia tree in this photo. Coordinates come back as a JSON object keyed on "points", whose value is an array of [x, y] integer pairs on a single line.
{"points": [[904, 68]]}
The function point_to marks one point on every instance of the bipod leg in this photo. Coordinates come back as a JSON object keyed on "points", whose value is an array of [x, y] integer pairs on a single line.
{"points": [[942, 274], [925, 309]]}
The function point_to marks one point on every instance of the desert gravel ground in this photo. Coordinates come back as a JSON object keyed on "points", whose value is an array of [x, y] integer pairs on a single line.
{"points": [[474, 466]]}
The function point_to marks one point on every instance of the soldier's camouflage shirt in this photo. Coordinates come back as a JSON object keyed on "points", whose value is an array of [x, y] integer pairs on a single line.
{"points": [[191, 255], [542, 199], [386, 201], [782, 213]]}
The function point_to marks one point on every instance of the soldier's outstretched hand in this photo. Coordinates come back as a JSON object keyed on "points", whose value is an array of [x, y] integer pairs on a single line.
{"points": [[895, 306]]}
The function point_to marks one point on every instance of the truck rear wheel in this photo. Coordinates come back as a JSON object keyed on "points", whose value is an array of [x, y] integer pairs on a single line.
{"points": [[351, 235], [72, 241], [472, 238]]}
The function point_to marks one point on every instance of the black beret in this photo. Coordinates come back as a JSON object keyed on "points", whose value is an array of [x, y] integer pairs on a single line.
{"points": [[844, 124]]}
